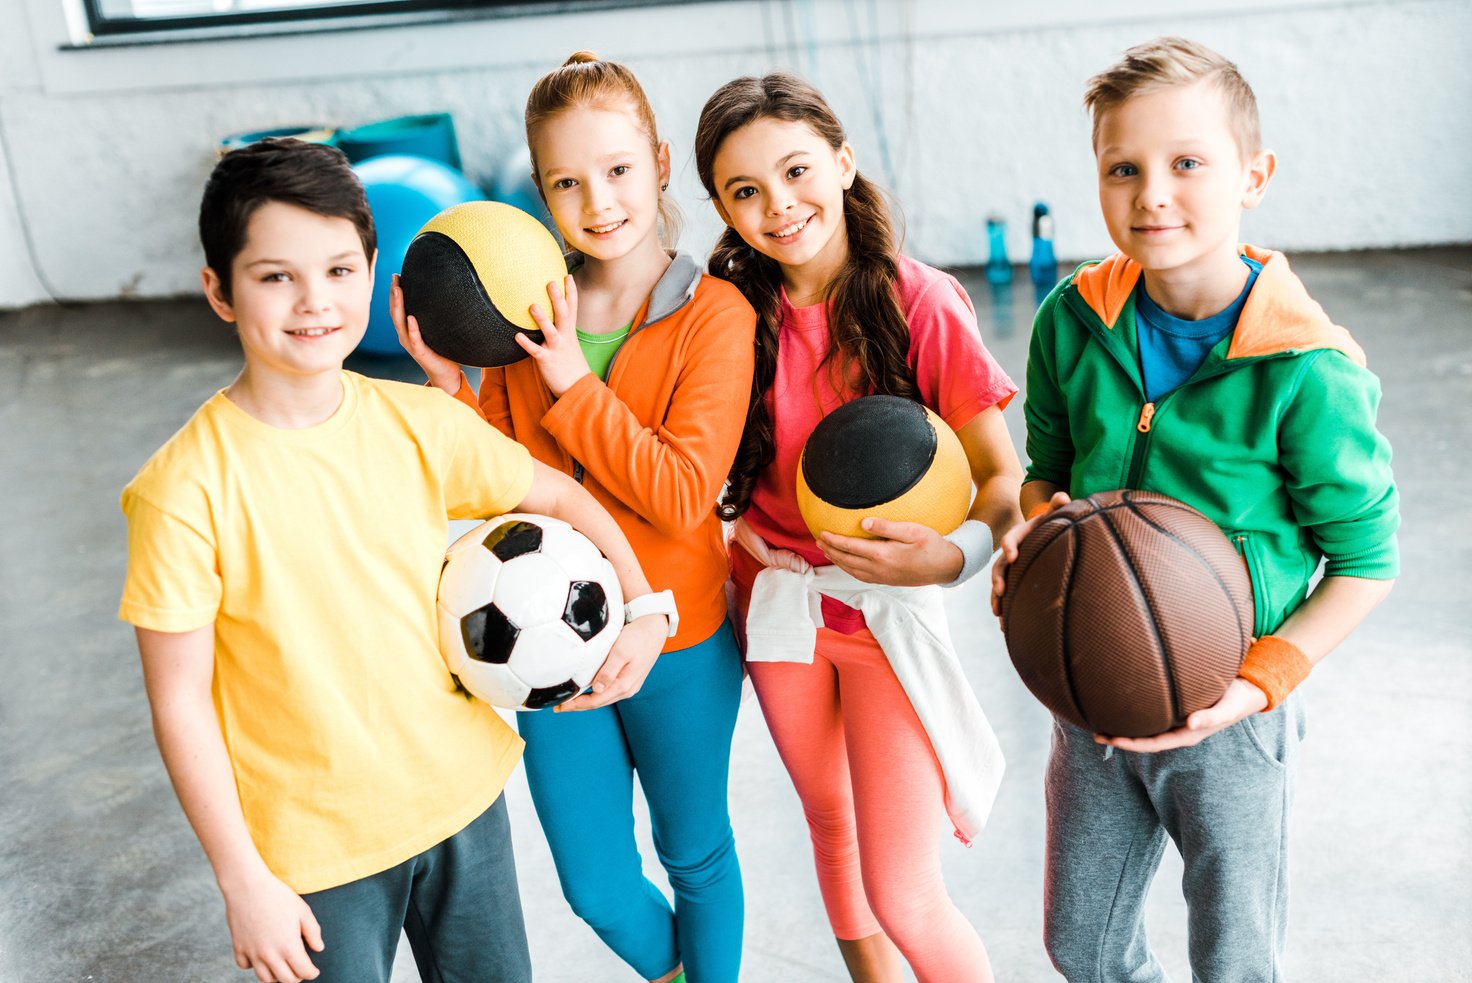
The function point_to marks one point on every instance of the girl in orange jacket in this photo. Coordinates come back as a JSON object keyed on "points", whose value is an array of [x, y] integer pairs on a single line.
{"points": [[639, 389]]}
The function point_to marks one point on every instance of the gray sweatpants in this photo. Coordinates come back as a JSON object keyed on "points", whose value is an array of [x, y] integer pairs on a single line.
{"points": [[1225, 804], [457, 902]]}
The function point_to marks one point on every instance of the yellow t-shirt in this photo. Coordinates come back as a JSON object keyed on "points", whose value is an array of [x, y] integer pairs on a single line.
{"points": [[316, 554]]}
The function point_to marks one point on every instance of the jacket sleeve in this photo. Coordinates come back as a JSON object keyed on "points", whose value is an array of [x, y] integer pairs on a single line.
{"points": [[494, 404], [1338, 468], [670, 474], [1049, 441]]}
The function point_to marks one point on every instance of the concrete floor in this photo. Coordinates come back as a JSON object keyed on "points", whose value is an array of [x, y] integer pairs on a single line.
{"points": [[101, 879]]}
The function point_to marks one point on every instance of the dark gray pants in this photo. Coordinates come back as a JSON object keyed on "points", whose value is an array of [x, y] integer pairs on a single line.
{"points": [[1223, 802], [457, 902]]}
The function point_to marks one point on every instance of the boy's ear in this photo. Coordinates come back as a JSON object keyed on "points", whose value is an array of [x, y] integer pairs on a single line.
{"points": [[847, 168], [372, 268], [214, 292], [1260, 171]]}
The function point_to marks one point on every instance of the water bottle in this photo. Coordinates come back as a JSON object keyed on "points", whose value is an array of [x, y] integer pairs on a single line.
{"points": [[1043, 266], [998, 268]]}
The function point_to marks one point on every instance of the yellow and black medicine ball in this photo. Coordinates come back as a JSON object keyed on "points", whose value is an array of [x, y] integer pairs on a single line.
{"points": [[882, 456], [470, 275]]}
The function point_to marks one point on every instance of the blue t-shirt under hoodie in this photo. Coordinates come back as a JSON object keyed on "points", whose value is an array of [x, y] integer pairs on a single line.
{"points": [[1172, 348]]}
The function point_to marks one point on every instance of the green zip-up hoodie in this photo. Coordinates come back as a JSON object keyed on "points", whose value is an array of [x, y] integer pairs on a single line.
{"points": [[1273, 438]]}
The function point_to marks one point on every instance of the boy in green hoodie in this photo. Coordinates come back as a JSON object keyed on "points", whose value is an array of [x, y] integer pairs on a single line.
{"points": [[1190, 365]]}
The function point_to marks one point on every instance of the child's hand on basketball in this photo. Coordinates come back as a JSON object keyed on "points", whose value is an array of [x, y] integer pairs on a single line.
{"points": [[906, 554], [1010, 542], [559, 357], [271, 928], [628, 662], [440, 370], [1242, 699]]}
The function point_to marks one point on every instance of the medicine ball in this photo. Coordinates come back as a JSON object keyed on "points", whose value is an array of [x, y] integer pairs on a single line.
{"points": [[882, 456], [403, 192], [1126, 612], [470, 275]]}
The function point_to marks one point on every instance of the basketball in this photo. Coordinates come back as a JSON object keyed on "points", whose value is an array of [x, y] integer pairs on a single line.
{"points": [[882, 456], [470, 275], [1126, 612]]}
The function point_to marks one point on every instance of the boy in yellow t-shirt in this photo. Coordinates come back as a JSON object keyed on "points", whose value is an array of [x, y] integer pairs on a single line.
{"points": [[284, 549]]}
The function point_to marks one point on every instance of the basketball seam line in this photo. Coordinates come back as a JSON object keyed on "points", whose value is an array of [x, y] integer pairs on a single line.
{"points": [[1243, 641], [1170, 676], [1076, 544]]}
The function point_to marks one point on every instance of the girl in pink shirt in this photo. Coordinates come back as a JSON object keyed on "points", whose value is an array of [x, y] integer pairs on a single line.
{"points": [[841, 314]]}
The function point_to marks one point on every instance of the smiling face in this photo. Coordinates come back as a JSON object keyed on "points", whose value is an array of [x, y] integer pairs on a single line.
{"points": [[601, 180], [1173, 182], [780, 186], [300, 291]]}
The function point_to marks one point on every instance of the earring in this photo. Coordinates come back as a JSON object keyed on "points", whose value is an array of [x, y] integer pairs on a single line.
{"points": [[664, 187]]}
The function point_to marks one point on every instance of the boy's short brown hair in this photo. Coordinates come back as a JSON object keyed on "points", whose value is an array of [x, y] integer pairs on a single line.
{"points": [[1176, 61], [309, 175]]}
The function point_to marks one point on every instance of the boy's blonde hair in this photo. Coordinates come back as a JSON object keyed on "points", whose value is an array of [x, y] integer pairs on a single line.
{"points": [[1176, 61], [587, 80]]}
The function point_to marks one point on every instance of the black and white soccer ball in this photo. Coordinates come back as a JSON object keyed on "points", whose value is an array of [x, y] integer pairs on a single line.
{"points": [[528, 610]]}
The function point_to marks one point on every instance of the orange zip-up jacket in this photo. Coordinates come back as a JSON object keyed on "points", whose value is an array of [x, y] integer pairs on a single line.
{"points": [[654, 444]]}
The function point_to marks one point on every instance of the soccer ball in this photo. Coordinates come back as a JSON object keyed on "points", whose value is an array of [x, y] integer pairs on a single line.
{"points": [[528, 611]]}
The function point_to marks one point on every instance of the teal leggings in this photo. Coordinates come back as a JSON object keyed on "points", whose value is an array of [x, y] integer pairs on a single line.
{"points": [[676, 732]]}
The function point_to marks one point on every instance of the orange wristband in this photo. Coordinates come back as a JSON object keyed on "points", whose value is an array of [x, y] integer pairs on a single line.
{"points": [[1041, 508], [1275, 666]]}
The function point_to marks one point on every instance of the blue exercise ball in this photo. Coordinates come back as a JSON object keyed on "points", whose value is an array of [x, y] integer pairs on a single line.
{"points": [[404, 192], [513, 185]]}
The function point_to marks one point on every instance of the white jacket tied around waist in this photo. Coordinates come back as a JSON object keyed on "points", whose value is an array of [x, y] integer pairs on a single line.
{"points": [[910, 626]]}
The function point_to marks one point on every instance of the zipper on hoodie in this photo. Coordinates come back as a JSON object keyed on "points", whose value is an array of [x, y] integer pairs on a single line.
{"points": [[1143, 428], [1247, 549], [577, 466]]}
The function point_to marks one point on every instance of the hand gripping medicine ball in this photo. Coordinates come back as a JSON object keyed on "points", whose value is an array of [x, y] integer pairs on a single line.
{"points": [[883, 456], [470, 275], [1126, 612]]}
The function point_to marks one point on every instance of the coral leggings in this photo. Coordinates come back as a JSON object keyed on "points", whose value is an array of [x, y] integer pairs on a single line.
{"points": [[872, 791]]}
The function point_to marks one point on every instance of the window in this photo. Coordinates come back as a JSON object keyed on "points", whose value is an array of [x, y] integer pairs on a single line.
{"points": [[119, 19]]}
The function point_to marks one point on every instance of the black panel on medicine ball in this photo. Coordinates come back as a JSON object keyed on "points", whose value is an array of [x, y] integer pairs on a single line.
{"points": [[456, 317], [839, 459]]}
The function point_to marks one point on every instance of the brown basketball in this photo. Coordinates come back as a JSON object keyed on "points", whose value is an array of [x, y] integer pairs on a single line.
{"points": [[1127, 611]]}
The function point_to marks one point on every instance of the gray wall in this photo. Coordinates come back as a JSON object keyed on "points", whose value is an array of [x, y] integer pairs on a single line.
{"points": [[961, 107]]}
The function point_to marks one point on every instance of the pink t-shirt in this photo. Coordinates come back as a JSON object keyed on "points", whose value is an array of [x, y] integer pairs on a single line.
{"points": [[957, 376]]}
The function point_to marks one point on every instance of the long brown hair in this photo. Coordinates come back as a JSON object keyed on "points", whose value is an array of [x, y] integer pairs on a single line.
{"points": [[587, 80], [869, 341]]}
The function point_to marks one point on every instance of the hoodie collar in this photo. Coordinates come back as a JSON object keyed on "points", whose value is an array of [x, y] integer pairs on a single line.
{"points": [[1279, 315], [675, 288]]}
